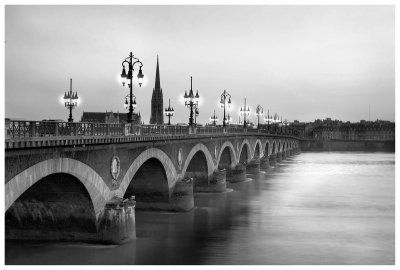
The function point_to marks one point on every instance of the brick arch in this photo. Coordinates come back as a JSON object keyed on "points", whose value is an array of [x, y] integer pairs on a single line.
{"points": [[233, 153], [249, 154], [158, 154], [258, 142], [98, 191], [206, 152]]}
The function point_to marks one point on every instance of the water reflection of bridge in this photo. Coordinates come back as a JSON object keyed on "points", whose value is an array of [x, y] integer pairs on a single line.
{"points": [[81, 181]]}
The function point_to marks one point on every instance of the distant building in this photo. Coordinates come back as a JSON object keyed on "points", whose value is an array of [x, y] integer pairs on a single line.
{"points": [[157, 107], [110, 117], [378, 130]]}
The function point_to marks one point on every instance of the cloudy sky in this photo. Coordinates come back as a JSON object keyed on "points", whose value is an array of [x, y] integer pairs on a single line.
{"points": [[302, 62]]}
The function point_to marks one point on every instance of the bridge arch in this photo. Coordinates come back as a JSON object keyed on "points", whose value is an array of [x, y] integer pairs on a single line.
{"points": [[151, 153], [258, 150], [247, 156], [202, 148], [267, 148], [98, 191], [229, 146]]}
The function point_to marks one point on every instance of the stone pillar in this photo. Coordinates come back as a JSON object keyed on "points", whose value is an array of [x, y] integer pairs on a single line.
{"points": [[279, 157], [272, 160], [237, 174], [182, 196], [264, 163], [200, 181], [116, 223], [283, 155], [253, 166], [218, 182]]}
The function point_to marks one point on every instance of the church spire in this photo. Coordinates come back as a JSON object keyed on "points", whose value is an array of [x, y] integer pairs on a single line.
{"points": [[157, 108], [157, 85]]}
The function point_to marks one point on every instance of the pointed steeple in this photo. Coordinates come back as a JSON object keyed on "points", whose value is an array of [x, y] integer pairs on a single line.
{"points": [[157, 85], [157, 113]]}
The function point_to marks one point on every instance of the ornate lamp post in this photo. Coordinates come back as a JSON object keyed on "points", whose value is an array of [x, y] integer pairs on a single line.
{"points": [[224, 96], [191, 101], [245, 111], [127, 79], [70, 101], [169, 112], [259, 112], [126, 104], [268, 120], [229, 119], [214, 119], [286, 122], [196, 113], [276, 120]]}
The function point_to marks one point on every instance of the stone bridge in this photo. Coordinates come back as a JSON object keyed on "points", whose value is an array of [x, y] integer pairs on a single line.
{"points": [[87, 187]]}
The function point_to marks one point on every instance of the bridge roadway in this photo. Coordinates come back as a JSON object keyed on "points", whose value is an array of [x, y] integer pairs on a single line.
{"points": [[82, 181]]}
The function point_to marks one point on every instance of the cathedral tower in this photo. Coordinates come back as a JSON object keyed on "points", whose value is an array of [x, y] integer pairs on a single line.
{"points": [[157, 107]]}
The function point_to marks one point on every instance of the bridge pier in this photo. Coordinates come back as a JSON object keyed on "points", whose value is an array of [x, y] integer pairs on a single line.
{"points": [[264, 163], [272, 159], [116, 223], [181, 199], [253, 166], [217, 182], [237, 174], [284, 156], [279, 157]]}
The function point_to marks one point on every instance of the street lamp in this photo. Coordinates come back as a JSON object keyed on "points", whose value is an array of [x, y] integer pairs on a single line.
{"points": [[229, 120], [268, 120], [275, 121], [127, 79], [196, 113], [224, 96], [70, 101], [126, 104], [191, 101], [259, 112], [245, 111], [214, 119], [286, 122], [169, 112]]}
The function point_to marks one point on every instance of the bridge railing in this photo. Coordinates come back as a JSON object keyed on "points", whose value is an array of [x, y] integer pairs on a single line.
{"points": [[209, 130], [33, 129], [160, 130], [28, 129]]}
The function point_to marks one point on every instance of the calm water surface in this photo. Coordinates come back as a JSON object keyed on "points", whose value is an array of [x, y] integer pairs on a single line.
{"points": [[313, 208]]}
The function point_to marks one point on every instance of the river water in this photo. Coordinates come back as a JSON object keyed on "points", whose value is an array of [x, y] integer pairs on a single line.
{"points": [[313, 208]]}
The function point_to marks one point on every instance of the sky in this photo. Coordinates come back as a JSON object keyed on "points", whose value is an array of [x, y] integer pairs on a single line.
{"points": [[301, 62]]}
